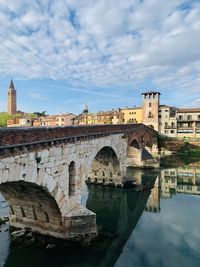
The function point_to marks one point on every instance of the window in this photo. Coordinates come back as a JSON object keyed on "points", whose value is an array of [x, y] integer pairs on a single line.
{"points": [[180, 117], [150, 115], [149, 104], [159, 116], [189, 117], [172, 131]]}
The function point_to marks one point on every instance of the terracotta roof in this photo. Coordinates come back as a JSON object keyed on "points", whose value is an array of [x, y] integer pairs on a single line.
{"points": [[131, 108], [188, 110]]}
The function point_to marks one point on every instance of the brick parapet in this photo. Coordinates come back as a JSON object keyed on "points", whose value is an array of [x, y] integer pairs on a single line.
{"points": [[24, 136]]}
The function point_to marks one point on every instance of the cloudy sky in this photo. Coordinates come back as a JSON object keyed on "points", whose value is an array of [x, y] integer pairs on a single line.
{"points": [[64, 54]]}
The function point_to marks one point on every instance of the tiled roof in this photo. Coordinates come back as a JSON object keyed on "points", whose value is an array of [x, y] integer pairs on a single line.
{"points": [[188, 110]]}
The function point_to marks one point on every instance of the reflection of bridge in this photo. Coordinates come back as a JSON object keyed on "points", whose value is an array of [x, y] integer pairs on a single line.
{"points": [[43, 170]]}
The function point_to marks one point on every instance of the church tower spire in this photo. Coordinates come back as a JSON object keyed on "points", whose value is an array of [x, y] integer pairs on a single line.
{"points": [[12, 98]]}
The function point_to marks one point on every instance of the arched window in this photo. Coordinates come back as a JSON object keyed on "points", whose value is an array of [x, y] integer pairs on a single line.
{"points": [[46, 217], [72, 178], [34, 214], [23, 212]]}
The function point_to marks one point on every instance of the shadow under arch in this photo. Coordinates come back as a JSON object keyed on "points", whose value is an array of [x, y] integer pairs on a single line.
{"points": [[105, 167], [32, 206], [134, 143]]}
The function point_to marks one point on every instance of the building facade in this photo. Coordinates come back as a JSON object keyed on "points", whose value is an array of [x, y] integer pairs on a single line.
{"points": [[132, 115], [188, 122], [167, 120]]}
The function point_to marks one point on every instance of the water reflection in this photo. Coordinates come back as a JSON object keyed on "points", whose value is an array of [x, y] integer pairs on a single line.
{"points": [[156, 227], [180, 180]]}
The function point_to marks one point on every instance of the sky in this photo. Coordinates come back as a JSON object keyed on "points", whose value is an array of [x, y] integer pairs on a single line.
{"points": [[104, 53]]}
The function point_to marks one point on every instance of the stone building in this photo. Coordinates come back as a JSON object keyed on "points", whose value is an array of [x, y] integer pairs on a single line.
{"points": [[26, 122], [65, 119], [188, 122], [12, 98], [13, 122], [117, 117], [167, 120], [45, 121], [101, 117], [151, 103]]}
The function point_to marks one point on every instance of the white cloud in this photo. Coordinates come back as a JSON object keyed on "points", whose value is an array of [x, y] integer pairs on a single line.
{"points": [[102, 43], [37, 96]]}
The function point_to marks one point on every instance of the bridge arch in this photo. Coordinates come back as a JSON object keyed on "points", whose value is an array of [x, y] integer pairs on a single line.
{"points": [[134, 143], [30, 174], [104, 165], [133, 152], [32, 206]]}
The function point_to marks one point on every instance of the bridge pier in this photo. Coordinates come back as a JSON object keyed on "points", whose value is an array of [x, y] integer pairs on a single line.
{"points": [[33, 207], [142, 157]]}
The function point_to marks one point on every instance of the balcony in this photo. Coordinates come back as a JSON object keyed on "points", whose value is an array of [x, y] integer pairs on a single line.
{"points": [[184, 130], [188, 119], [184, 127], [170, 127]]}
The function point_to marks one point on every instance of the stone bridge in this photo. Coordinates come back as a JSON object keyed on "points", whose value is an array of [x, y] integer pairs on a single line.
{"points": [[43, 172]]}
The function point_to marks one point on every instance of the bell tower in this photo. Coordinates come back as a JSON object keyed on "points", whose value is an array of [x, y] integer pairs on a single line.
{"points": [[12, 98], [151, 102]]}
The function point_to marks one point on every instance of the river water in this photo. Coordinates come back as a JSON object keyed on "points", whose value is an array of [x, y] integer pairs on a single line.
{"points": [[156, 227]]}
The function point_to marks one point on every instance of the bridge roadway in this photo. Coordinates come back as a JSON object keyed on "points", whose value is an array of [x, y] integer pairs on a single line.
{"points": [[43, 172]]}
